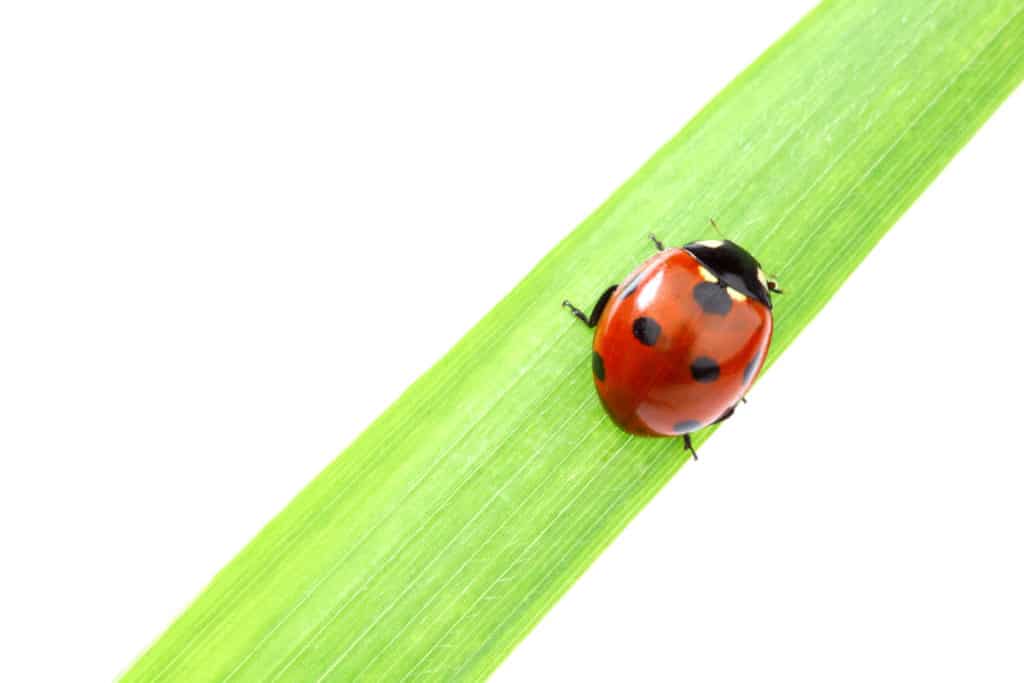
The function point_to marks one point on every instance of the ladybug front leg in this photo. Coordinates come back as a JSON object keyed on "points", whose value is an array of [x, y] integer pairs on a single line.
{"points": [[657, 243], [595, 315]]}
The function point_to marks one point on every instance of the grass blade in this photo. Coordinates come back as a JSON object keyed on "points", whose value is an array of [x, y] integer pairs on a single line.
{"points": [[432, 545]]}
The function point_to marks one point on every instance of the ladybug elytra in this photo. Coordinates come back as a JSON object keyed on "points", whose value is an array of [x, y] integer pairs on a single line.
{"points": [[681, 340]]}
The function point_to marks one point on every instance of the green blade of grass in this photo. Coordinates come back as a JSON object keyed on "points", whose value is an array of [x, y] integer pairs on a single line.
{"points": [[433, 544]]}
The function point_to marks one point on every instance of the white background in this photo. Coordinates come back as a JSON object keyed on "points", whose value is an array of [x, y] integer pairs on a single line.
{"points": [[197, 200]]}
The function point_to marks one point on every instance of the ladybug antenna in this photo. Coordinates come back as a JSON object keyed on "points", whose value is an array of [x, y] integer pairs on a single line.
{"points": [[717, 229], [773, 284]]}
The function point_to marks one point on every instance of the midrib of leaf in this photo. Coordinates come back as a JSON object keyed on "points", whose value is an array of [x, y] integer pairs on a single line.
{"points": [[453, 523]]}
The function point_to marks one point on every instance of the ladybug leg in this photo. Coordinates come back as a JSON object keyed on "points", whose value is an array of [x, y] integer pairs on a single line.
{"points": [[773, 286], [727, 414], [657, 242], [688, 445], [595, 315]]}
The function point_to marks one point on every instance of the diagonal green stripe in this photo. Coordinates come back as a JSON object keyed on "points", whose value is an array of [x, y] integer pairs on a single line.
{"points": [[434, 543]]}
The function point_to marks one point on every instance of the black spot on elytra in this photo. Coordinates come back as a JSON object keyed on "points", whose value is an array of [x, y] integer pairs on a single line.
{"points": [[598, 364], [685, 426], [630, 287], [712, 298], [647, 330], [748, 372], [704, 369]]}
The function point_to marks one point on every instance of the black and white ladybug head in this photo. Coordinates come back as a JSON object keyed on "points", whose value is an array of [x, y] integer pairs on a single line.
{"points": [[734, 267]]}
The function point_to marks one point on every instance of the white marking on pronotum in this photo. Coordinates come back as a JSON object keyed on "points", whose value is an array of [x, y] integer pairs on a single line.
{"points": [[711, 244], [707, 274], [735, 295], [761, 278]]}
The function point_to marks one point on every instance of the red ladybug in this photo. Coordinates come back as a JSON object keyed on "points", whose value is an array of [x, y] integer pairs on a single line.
{"points": [[681, 340]]}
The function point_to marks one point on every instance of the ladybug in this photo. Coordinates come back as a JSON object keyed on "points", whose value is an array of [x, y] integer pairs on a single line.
{"points": [[681, 340]]}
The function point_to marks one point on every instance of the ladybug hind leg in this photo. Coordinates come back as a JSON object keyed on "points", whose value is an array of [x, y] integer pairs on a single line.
{"points": [[688, 445], [595, 314]]}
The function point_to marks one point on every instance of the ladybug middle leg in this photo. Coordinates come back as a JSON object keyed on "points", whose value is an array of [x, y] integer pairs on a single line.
{"points": [[595, 315], [727, 414]]}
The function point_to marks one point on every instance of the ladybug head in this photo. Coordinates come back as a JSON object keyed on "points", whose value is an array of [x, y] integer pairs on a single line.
{"points": [[734, 267]]}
